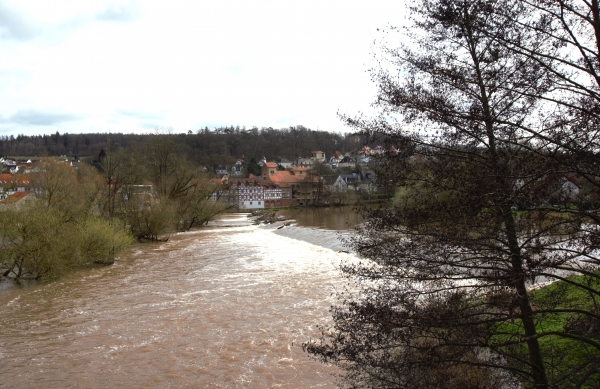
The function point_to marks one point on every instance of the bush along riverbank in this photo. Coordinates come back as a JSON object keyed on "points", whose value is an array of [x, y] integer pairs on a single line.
{"points": [[73, 217]]}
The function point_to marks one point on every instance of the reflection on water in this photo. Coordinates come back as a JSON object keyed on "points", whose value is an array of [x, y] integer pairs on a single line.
{"points": [[331, 218], [224, 307]]}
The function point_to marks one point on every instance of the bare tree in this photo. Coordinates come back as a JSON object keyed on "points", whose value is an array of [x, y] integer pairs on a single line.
{"points": [[60, 229], [570, 55], [473, 227], [194, 196], [317, 172], [160, 158], [54, 183]]}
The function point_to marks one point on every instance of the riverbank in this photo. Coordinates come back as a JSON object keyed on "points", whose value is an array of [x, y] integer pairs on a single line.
{"points": [[227, 305]]}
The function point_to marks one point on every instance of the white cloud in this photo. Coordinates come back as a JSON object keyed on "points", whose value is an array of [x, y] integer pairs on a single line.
{"points": [[13, 26], [121, 66], [32, 117], [118, 13]]}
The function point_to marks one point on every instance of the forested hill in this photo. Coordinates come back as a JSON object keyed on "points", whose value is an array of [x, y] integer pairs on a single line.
{"points": [[206, 147]]}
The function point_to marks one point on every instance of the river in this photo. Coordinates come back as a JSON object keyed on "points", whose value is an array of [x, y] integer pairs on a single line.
{"points": [[227, 306]]}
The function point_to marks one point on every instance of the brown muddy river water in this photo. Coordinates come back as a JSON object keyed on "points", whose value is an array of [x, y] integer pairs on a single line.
{"points": [[224, 307]]}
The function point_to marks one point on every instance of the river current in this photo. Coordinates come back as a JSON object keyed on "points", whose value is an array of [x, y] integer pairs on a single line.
{"points": [[227, 306]]}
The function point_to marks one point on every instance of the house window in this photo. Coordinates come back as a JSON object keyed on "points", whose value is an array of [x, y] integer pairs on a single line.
{"points": [[259, 203], [250, 202]]}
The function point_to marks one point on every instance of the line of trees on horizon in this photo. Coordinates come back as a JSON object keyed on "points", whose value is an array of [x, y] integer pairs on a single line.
{"points": [[222, 145]]}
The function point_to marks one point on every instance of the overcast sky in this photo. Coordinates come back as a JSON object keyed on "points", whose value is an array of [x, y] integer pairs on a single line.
{"points": [[133, 66]]}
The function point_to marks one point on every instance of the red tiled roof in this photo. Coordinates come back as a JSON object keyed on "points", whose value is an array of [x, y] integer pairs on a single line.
{"points": [[271, 164], [14, 180], [13, 198], [285, 178], [251, 180]]}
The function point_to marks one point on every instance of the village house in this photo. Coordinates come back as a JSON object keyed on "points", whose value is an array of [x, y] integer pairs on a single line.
{"points": [[363, 181], [303, 162], [347, 162], [248, 192], [16, 199], [285, 188], [274, 188], [284, 163], [338, 185], [334, 160], [10, 184], [9, 165], [318, 156], [238, 168], [349, 181], [336, 157], [220, 170]]}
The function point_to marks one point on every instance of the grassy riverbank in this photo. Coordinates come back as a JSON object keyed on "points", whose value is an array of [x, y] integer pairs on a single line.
{"points": [[568, 329]]}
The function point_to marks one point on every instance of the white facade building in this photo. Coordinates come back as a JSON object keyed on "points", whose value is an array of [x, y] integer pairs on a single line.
{"points": [[251, 196]]}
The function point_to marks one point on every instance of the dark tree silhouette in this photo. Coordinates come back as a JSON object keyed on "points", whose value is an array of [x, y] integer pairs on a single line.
{"points": [[479, 218], [253, 168]]}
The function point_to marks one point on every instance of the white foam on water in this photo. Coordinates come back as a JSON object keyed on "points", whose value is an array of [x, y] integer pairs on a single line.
{"points": [[221, 307]]}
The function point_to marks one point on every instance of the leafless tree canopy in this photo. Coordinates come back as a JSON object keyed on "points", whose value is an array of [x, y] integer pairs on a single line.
{"points": [[492, 112]]}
